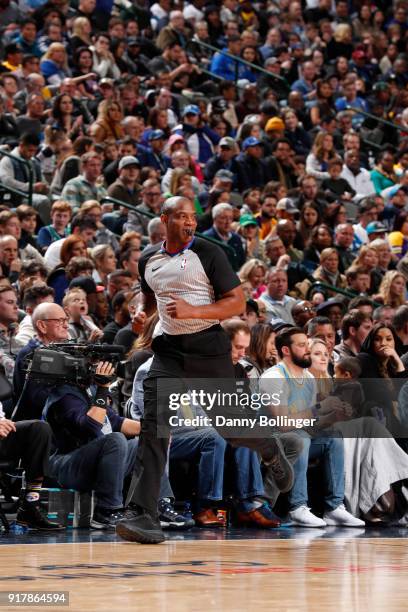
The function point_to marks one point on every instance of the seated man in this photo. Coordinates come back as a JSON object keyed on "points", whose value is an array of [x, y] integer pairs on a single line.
{"points": [[297, 389], [15, 175], [95, 448], [28, 441]]}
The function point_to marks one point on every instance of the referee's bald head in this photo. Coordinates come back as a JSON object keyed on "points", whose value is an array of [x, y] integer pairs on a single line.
{"points": [[171, 204]]}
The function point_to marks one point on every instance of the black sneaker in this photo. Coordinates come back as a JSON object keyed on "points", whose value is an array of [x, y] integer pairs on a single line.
{"points": [[104, 518], [279, 467], [29, 515], [140, 528], [170, 519]]}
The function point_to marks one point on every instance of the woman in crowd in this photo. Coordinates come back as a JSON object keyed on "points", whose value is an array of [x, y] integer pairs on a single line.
{"points": [[324, 101], [322, 152], [367, 260], [105, 262], [392, 291], [81, 34], [108, 123], [73, 246], [158, 120], [261, 353], [381, 369], [308, 220], [375, 467], [54, 64], [254, 271], [82, 66], [320, 238], [63, 117], [328, 271]]}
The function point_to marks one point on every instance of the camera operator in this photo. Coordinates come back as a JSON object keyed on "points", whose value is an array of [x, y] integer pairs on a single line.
{"points": [[93, 449], [51, 325], [28, 441]]}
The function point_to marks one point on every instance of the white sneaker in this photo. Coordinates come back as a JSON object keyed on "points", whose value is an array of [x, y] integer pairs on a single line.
{"points": [[304, 518], [340, 516]]}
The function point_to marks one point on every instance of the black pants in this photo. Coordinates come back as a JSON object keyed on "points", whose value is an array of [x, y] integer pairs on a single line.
{"points": [[31, 443], [203, 355]]}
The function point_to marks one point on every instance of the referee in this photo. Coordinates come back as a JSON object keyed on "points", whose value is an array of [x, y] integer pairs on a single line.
{"points": [[194, 287]]}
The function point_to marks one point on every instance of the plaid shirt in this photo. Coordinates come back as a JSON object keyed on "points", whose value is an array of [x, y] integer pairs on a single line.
{"points": [[78, 190]]}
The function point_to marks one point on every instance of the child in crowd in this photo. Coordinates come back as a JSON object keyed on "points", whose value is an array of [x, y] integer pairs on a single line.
{"points": [[347, 388], [336, 186], [81, 327], [60, 217]]}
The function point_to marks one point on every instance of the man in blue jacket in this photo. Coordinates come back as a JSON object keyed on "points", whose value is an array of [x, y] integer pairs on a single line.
{"points": [[226, 67]]}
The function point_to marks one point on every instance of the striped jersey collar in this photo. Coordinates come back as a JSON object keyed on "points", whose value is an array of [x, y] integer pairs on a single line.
{"points": [[182, 250]]}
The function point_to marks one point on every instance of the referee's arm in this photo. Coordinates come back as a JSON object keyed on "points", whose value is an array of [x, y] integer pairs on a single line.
{"points": [[230, 304]]}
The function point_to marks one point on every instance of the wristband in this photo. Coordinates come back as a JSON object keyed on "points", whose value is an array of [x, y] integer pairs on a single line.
{"points": [[102, 397]]}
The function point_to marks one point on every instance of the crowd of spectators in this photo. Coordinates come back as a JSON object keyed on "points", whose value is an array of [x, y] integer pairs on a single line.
{"points": [[296, 161]]}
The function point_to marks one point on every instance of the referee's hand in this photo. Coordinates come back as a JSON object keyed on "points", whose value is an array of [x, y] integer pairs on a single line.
{"points": [[180, 309]]}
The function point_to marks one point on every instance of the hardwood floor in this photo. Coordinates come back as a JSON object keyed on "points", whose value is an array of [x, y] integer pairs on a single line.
{"points": [[347, 573]]}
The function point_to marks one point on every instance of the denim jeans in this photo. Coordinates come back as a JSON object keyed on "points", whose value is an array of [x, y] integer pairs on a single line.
{"points": [[101, 465], [248, 477], [209, 447], [331, 450]]}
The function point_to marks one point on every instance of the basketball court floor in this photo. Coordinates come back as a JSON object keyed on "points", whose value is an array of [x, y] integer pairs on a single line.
{"points": [[287, 569]]}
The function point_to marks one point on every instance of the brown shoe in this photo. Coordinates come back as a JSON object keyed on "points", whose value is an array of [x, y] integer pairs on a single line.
{"points": [[208, 518], [260, 517]]}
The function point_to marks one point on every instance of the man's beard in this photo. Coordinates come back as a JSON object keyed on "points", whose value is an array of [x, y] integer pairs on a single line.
{"points": [[301, 362]]}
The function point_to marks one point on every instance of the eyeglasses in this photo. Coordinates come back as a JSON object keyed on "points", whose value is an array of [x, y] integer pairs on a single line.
{"points": [[61, 321], [153, 193]]}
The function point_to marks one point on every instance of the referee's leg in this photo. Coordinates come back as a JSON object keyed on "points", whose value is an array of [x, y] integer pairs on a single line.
{"points": [[151, 454]]}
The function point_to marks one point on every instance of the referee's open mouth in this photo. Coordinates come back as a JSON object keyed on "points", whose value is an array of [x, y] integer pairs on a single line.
{"points": [[189, 232]]}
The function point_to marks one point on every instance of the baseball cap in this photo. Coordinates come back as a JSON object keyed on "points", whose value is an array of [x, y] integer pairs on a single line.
{"points": [[84, 282], [376, 227], [275, 123], [288, 205], [246, 220], [380, 86], [191, 109], [128, 160], [156, 135], [224, 175], [228, 142], [134, 41], [324, 306], [250, 142]]}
